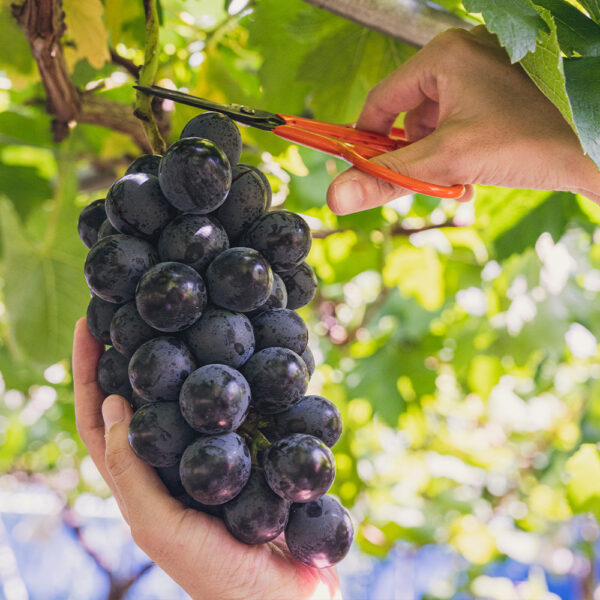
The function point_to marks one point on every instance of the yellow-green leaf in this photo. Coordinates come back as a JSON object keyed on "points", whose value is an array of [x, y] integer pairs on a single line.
{"points": [[583, 489]]}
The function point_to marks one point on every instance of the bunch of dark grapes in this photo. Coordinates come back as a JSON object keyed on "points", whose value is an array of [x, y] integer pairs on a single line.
{"points": [[194, 284]]}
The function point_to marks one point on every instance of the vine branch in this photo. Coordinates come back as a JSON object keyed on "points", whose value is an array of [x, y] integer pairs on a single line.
{"points": [[395, 230], [42, 22], [143, 105]]}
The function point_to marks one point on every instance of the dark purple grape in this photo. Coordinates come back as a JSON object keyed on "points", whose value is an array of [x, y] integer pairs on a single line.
{"points": [[319, 533], [215, 399], [309, 360], [112, 374], [170, 296], [137, 401], [219, 129], [115, 264], [194, 240], [221, 336], [239, 279], [147, 163], [128, 331], [158, 434], [264, 180], [159, 367], [90, 219], [107, 229], [99, 315], [314, 415], [215, 468], [245, 202], [299, 467], [278, 378], [277, 299], [301, 285], [282, 237], [195, 175], [280, 327], [135, 205], [170, 477], [256, 515]]}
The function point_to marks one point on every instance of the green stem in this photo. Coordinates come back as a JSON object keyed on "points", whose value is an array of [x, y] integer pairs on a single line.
{"points": [[143, 103]]}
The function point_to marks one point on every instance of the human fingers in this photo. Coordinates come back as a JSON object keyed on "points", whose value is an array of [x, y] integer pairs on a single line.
{"points": [[88, 395], [421, 121], [431, 159]]}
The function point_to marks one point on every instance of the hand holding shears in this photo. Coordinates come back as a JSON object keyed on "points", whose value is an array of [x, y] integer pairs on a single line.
{"points": [[344, 141]]}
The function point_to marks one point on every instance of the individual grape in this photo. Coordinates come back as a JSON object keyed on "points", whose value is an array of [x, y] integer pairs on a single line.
{"points": [[299, 467], [221, 336], [170, 477], [170, 296], [264, 180], [309, 360], [313, 415], [159, 367], [219, 129], [128, 331], [90, 219], [277, 298], [301, 285], [158, 434], [215, 399], [107, 229], [280, 327], [195, 175], [277, 378], [112, 374], [215, 468], [256, 515], [319, 533], [114, 265], [194, 240], [282, 237], [147, 163], [245, 202], [137, 401], [239, 279], [136, 205], [99, 315]]}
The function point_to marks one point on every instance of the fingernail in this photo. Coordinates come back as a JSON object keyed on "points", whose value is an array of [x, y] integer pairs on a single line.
{"points": [[348, 196], [112, 411]]}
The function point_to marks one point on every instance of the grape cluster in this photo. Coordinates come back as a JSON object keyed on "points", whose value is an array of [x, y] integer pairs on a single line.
{"points": [[194, 284]]}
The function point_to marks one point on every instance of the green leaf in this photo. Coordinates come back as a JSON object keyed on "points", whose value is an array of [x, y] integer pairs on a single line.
{"points": [[593, 7], [545, 67], [583, 488], [15, 53], [25, 187], [344, 66], [583, 87], [552, 216], [576, 32], [516, 23], [44, 291]]}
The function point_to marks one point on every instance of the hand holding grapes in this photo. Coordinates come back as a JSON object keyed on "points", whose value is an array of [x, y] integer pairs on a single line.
{"points": [[195, 549], [474, 118]]}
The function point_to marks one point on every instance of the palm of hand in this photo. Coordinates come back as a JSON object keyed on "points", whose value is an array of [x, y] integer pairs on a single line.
{"points": [[195, 549]]}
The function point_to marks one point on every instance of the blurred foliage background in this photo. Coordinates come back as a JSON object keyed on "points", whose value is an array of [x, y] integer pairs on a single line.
{"points": [[459, 341]]}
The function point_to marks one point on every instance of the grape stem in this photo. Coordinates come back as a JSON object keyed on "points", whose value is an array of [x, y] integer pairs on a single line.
{"points": [[143, 103]]}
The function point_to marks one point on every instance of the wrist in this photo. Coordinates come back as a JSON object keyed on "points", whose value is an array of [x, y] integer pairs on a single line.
{"points": [[588, 181]]}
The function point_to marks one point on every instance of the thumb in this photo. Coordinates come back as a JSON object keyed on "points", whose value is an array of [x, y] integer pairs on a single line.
{"points": [[140, 493], [426, 159]]}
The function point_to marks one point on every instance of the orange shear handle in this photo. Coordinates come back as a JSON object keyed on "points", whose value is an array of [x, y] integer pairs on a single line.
{"points": [[357, 146]]}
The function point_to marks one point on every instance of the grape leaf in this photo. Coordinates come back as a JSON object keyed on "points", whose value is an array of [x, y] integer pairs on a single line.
{"points": [[545, 68], [576, 32], [117, 13], [583, 86], [43, 286], [593, 7], [516, 23], [86, 33]]}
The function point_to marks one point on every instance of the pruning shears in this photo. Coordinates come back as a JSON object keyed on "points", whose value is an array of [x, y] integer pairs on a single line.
{"points": [[343, 141]]}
